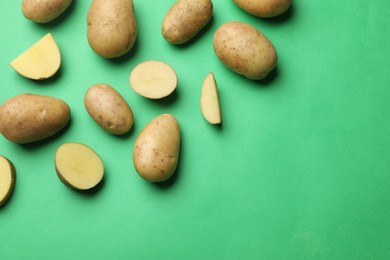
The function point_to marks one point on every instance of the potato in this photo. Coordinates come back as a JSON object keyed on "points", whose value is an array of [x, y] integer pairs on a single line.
{"points": [[153, 79], [245, 50], [264, 8], [156, 149], [44, 11], [7, 180], [108, 108], [78, 166], [209, 100], [27, 118], [112, 27], [185, 19]]}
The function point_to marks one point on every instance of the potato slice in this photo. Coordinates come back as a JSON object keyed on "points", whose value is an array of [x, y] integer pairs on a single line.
{"points": [[153, 79], [7, 180], [40, 61], [78, 166], [209, 101]]}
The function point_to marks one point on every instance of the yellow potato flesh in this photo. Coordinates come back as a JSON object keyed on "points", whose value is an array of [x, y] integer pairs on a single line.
{"points": [[209, 101], [7, 180]]}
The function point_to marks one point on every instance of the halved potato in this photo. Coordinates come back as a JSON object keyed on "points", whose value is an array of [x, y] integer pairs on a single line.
{"points": [[78, 166], [7, 180], [40, 61], [209, 101]]}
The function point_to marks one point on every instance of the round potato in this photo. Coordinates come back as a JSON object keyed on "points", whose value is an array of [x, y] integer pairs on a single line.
{"points": [[156, 149], [112, 27], [27, 118], [264, 8], [7, 180], [44, 11], [108, 108], [245, 50], [185, 19]]}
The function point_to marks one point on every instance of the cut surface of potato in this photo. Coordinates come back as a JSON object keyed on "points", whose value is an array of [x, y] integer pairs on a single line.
{"points": [[209, 100], [153, 79], [7, 180], [78, 166], [40, 61]]}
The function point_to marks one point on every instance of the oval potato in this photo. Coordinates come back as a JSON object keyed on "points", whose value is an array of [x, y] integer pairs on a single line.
{"points": [[108, 108], [112, 27], [44, 11], [185, 19], [245, 50], [156, 149], [7, 180], [264, 8], [27, 118]]}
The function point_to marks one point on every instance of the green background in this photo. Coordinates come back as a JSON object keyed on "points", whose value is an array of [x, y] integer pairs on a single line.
{"points": [[299, 170]]}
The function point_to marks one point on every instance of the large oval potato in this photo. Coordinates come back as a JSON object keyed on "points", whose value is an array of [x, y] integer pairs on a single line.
{"points": [[112, 28], [264, 8], [27, 118], [156, 149], [108, 108], [245, 50], [44, 11], [185, 19]]}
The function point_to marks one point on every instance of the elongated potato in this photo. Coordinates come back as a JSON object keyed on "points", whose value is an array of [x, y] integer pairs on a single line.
{"points": [[156, 149], [7, 180], [185, 19], [112, 27], [44, 11], [245, 50], [264, 8], [27, 118], [108, 108]]}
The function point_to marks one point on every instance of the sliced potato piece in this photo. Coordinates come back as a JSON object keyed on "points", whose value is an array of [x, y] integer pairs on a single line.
{"points": [[7, 180], [153, 79], [78, 166], [40, 61], [209, 100]]}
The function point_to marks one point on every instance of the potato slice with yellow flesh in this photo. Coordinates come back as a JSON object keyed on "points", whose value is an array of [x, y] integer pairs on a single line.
{"points": [[7, 180], [209, 101], [78, 166], [40, 61]]}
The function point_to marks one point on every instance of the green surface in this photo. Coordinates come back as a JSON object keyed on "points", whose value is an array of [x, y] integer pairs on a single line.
{"points": [[299, 170]]}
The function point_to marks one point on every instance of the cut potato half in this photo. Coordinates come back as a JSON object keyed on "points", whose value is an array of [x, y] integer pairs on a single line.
{"points": [[209, 100], [78, 166], [40, 61], [7, 180], [153, 79]]}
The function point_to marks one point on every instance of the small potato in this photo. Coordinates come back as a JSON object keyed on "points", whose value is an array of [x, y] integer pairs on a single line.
{"points": [[108, 108], [27, 118], [7, 180], [156, 149], [112, 27], [245, 50], [264, 8], [185, 19], [44, 11]]}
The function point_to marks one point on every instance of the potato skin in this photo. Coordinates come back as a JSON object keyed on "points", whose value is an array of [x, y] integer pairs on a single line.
{"points": [[44, 11], [112, 27], [156, 149], [185, 19], [108, 108], [245, 50], [27, 118], [264, 8]]}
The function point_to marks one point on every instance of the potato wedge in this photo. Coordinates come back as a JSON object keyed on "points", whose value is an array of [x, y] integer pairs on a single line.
{"points": [[209, 100], [7, 180]]}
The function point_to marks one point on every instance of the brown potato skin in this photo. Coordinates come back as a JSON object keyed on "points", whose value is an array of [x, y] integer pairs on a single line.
{"points": [[245, 50], [28, 118], [44, 11], [264, 8], [156, 149], [185, 19], [108, 108], [112, 27], [13, 178]]}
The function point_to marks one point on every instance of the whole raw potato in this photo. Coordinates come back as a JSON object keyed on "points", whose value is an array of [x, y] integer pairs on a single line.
{"points": [[112, 28], [108, 108], [27, 118], [185, 19], [44, 11], [156, 149], [245, 50], [264, 8]]}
